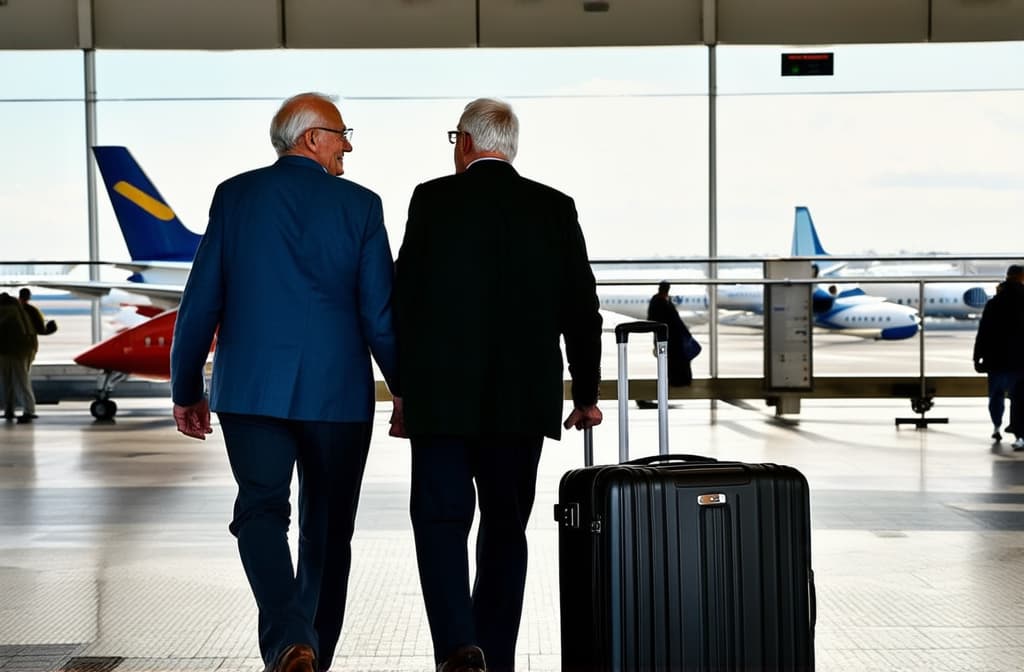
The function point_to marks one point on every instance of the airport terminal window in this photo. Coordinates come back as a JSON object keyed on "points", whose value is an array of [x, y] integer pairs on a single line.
{"points": [[44, 197], [623, 130], [638, 193], [888, 160]]}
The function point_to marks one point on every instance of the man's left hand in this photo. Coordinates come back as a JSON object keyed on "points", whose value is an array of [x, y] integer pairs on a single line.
{"points": [[397, 420], [584, 418]]}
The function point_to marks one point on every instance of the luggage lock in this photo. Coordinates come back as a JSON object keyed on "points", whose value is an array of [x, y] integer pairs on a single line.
{"points": [[711, 499]]}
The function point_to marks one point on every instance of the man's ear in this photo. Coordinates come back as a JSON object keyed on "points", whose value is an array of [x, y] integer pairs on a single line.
{"points": [[467, 142], [307, 139]]}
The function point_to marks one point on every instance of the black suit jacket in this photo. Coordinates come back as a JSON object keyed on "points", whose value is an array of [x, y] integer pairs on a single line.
{"points": [[492, 270]]}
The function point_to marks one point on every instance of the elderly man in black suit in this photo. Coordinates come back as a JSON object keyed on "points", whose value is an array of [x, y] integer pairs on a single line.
{"points": [[492, 271]]}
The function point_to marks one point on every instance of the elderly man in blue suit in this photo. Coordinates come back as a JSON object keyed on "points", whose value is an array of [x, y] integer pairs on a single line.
{"points": [[294, 274]]}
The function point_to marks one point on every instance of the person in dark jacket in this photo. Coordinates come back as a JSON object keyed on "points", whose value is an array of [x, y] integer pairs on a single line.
{"points": [[16, 352], [40, 327], [999, 352], [661, 309], [482, 378]]}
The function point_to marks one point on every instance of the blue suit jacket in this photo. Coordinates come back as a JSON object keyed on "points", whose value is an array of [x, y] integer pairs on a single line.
{"points": [[296, 271]]}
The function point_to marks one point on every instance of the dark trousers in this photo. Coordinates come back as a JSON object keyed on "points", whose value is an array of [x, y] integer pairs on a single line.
{"points": [[442, 505], [304, 605], [1000, 385]]}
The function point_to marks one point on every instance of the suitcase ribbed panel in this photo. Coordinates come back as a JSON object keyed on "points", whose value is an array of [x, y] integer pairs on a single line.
{"points": [[718, 596], [651, 581]]}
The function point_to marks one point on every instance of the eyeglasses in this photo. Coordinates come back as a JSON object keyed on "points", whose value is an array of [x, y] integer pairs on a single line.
{"points": [[346, 133], [453, 136]]}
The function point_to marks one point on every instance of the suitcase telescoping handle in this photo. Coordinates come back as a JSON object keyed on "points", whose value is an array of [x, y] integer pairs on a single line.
{"points": [[622, 332]]}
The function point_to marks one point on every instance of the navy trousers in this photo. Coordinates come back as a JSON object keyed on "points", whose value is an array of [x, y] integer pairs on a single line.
{"points": [[1002, 384], [442, 506], [303, 605]]}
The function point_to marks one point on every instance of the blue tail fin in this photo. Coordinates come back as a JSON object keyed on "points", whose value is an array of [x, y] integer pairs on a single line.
{"points": [[150, 228], [805, 237]]}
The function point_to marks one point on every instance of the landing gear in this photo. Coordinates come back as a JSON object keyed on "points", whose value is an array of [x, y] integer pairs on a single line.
{"points": [[103, 409]]}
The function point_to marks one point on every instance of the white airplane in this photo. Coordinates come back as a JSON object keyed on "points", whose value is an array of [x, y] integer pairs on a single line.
{"points": [[690, 300], [962, 300], [845, 311]]}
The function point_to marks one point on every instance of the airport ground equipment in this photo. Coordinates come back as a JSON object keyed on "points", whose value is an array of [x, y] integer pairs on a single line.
{"points": [[684, 563]]}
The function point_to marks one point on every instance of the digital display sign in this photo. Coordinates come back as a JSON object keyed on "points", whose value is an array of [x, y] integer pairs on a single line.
{"points": [[807, 64]]}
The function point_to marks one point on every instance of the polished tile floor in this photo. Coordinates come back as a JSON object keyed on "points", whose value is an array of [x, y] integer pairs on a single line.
{"points": [[115, 554]]}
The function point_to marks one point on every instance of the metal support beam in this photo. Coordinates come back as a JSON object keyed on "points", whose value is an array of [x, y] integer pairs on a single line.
{"points": [[712, 206], [89, 58]]}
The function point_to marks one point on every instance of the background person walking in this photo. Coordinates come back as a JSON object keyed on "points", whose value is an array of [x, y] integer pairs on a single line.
{"points": [[999, 352], [16, 352]]}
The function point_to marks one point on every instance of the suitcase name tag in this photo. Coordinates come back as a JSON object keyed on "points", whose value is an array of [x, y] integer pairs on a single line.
{"points": [[712, 499]]}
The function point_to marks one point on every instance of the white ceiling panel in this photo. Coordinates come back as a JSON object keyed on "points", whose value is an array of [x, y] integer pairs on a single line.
{"points": [[39, 24], [379, 23], [977, 20], [187, 24], [821, 21], [566, 23]]}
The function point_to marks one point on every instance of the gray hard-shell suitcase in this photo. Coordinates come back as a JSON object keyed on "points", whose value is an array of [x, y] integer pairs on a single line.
{"points": [[683, 563]]}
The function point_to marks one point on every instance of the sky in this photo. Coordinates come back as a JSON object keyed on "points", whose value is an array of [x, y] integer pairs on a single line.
{"points": [[907, 148]]}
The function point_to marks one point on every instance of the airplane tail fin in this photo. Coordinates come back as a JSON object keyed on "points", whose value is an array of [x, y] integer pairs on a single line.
{"points": [[805, 236], [150, 228]]}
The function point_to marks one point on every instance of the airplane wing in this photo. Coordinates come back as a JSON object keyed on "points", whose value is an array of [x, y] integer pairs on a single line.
{"points": [[141, 266], [744, 318], [167, 296]]}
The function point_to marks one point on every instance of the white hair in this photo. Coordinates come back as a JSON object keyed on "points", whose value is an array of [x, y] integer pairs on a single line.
{"points": [[291, 120], [493, 126]]}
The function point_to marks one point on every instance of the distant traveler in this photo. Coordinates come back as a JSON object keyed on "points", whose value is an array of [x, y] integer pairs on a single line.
{"points": [[492, 271], [661, 309], [295, 270], [999, 352], [40, 327], [16, 352]]}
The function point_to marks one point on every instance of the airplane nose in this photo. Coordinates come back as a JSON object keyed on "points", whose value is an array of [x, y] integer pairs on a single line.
{"points": [[898, 333], [975, 297]]}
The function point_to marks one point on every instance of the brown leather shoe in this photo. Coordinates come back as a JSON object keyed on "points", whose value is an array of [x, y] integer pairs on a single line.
{"points": [[296, 658], [465, 659]]}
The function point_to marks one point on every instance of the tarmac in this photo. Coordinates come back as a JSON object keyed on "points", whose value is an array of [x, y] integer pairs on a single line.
{"points": [[115, 553]]}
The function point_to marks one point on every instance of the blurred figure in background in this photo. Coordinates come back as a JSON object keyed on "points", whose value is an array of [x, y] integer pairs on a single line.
{"points": [[999, 352], [16, 352]]}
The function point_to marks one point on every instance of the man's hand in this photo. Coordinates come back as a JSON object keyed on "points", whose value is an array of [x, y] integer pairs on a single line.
{"points": [[397, 419], [194, 420], [584, 418]]}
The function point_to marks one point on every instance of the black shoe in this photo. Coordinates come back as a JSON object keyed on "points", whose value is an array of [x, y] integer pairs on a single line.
{"points": [[9, 417], [465, 659], [996, 436], [26, 418], [645, 403]]}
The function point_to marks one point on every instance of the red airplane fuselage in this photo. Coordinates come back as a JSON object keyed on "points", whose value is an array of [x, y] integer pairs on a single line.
{"points": [[143, 350]]}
